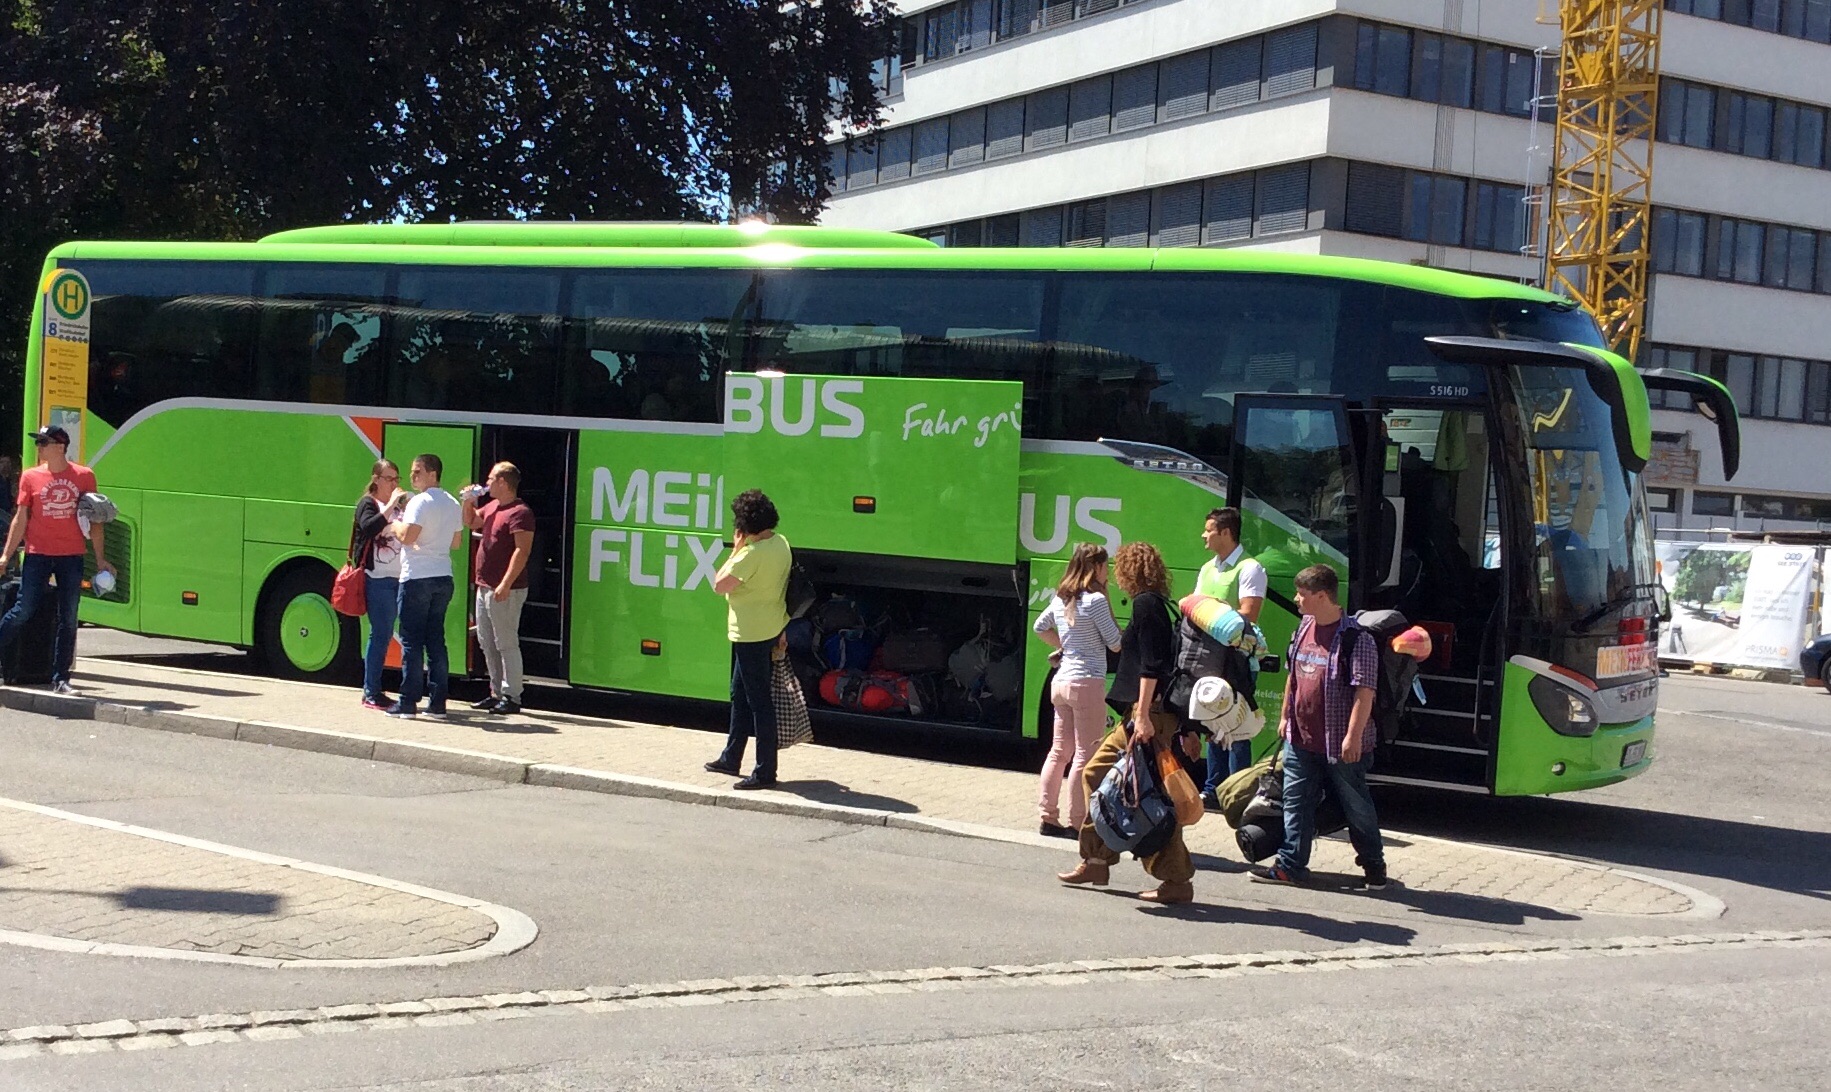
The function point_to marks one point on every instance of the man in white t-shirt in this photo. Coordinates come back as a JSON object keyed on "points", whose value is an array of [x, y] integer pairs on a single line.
{"points": [[428, 531], [1238, 581]]}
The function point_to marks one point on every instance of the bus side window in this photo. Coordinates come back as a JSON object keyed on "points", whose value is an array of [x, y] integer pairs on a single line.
{"points": [[650, 344], [481, 340], [321, 334], [162, 330]]}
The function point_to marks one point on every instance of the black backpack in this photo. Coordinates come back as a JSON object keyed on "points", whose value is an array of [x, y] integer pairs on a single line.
{"points": [[1398, 672]]}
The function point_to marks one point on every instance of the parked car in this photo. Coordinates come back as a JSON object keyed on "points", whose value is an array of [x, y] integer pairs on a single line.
{"points": [[1815, 660]]}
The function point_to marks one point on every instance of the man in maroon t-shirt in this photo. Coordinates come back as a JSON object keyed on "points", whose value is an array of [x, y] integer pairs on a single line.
{"points": [[500, 573], [45, 521], [1328, 707]]}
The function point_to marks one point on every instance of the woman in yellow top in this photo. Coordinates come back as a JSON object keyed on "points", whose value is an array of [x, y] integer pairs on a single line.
{"points": [[754, 582]]}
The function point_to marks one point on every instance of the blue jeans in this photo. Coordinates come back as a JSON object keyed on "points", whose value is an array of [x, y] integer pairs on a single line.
{"points": [[34, 584], [753, 707], [1239, 756], [384, 595], [1304, 775], [422, 617]]}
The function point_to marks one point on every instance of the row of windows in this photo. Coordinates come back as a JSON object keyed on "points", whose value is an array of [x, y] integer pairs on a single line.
{"points": [[1227, 208], [1226, 76], [1808, 19], [1768, 387], [1761, 506], [966, 25], [1443, 210], [1723, 120], [1723, 248], [1440, 68], [1152, 357]]}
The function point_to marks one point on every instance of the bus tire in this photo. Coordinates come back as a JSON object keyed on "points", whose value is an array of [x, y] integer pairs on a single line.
{"points": [[297, 635]]}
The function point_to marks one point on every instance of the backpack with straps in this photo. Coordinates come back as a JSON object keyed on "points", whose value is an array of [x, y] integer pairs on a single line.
{"points": [[1398, 670]]}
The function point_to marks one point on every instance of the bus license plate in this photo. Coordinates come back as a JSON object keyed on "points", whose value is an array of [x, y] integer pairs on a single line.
{"points": [[1633, 753]]}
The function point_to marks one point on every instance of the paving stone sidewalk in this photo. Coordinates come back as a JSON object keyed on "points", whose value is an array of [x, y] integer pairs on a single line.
{"points": [[60, 877], [1000, 799]]}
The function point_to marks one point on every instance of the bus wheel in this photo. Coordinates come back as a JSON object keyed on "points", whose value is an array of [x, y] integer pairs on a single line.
{"points": [[298, 634]]}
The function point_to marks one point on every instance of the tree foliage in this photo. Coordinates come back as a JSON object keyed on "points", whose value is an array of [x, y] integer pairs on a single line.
{"points": [[225, 119]]}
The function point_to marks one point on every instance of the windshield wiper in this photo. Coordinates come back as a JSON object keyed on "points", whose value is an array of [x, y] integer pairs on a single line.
{"points": [[1650, 590]]}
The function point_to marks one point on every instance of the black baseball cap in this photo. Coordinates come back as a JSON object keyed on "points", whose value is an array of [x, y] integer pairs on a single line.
{"points": [[51, 434]]}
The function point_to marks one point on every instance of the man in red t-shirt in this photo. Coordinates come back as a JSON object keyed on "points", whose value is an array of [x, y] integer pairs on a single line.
{"points": [[500, 573], [45, 521]]}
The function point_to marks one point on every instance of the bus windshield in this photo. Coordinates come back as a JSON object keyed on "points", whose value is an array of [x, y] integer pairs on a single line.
{"points": [[1588, 545]]}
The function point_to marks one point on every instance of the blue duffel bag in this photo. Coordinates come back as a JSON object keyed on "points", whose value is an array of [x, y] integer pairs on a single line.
{"points": [[1130, 810]]}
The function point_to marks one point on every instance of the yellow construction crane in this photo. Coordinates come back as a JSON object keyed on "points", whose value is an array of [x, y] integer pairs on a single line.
{"points": [[1599, 212]]}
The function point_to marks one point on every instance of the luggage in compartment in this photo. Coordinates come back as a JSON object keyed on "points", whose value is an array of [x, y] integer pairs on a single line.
{"points": [[887, 638]]}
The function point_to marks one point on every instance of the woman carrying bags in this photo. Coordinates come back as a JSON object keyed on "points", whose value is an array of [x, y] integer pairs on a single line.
{"points": [[1079, 624], [379, 555], [1146, 661]]}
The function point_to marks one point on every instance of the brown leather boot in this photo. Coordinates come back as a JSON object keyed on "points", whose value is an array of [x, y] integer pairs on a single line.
{"points": [[1093, 872], [1170, 892]]}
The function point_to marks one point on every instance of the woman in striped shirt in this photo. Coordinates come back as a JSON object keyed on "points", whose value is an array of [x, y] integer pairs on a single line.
{"points": [[1079, 625]]}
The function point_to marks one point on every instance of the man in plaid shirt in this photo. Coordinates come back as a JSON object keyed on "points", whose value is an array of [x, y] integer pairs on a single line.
{"points": [[1328, 708]]}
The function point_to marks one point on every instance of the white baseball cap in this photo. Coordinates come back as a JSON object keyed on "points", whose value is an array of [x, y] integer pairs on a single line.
{"points": [[103, 582], [1214, 705]]}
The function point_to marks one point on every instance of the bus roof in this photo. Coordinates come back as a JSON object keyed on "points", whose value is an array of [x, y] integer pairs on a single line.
{"points": [[778, 255], [512, 233]]}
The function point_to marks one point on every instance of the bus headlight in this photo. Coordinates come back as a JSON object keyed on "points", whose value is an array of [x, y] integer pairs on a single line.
{"points": [[1567, 711]]}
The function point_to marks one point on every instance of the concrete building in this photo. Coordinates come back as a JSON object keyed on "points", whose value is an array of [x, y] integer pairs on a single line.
{"points": [[1404, 130]]}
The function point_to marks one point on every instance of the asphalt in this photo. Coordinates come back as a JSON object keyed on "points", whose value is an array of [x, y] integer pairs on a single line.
{"points": [[627, 891]]}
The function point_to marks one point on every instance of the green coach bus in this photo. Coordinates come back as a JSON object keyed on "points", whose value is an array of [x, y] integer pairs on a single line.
{"points": [[939, 427]]}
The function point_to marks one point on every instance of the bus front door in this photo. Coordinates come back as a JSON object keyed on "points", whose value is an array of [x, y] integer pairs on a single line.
{"points": [[1431, 550], [1293, 478]]}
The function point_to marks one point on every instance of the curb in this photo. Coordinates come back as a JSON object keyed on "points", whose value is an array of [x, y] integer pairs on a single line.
{"points": [[517, 771], [495, 767]]}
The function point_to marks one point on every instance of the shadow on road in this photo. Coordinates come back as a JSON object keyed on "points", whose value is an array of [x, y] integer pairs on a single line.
{"points": [[1777, 858], [832, 792]]}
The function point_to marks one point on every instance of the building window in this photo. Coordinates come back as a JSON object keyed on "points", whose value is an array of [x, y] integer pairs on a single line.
{"points": [[1283, 199], [1376, 200], [1227, 209], [1086, 224], [1434, 209], [1662, 500], [1713, 504], [1500, 217]]}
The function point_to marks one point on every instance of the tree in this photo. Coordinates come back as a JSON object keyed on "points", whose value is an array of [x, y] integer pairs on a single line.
{"points": [[215, 119]]}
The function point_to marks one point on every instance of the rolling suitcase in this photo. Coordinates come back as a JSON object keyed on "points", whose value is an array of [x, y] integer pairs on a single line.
{"points": [[28, 661]]}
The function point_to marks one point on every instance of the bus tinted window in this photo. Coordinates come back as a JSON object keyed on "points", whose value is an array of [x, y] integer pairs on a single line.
{"points": [[483, 340], [918, 325], [168, 330], [1158, 358], [323, 334], [651, 343]]}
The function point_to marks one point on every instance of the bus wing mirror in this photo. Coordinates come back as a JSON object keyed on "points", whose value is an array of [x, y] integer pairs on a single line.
{"points": [[1494, 352], [1712, 400]]}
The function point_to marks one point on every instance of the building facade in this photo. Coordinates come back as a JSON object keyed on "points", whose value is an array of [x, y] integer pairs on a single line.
{"points": [[1407, 130]]}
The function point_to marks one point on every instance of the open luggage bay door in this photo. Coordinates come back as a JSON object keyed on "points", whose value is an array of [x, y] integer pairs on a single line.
{"points": [[880, 465]]}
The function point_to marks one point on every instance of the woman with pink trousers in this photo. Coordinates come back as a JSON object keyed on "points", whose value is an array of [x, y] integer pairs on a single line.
{"points": [[1079, 624]]}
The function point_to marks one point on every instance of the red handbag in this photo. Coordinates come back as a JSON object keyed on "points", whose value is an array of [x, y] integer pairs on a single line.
{"points": [[349, 592]]}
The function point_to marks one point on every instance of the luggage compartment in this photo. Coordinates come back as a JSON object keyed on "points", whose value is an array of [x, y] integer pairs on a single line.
{"points": [[911, 641]]}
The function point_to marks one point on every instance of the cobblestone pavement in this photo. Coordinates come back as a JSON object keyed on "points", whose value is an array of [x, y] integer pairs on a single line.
{"points": [[65, 876], [1003, 800], [165, 1033]]}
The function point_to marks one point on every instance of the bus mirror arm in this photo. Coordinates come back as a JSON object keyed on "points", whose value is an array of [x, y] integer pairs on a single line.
{"points": [[1494, 352], [1713, 402]]}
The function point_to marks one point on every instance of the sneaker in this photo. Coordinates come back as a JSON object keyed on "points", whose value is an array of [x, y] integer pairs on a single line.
{"points": [[756, 781], [62, 687], [487, 705], [1275, 873], [1376, 878], [506, 707], [1056, 830], [382, 703], [717, 767], [400, 712], [1211, 802], [436, 714]]}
